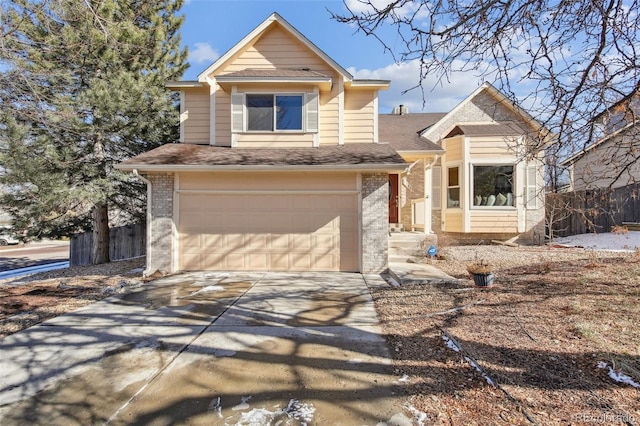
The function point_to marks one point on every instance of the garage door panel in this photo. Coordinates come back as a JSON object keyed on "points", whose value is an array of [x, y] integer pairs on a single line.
{"points": [[301, 241], [213, 260], [279, 241], [279, 261], [214, 241], [257, 261], [278, 232], [324, 241]]}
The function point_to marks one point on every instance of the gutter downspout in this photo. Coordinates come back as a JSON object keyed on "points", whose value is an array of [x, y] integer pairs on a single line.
{"points": [[148, 230]]}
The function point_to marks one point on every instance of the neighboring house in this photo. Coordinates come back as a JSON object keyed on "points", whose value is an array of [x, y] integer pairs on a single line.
{"points": [[472, 175], [612, 161], [278, 166]]}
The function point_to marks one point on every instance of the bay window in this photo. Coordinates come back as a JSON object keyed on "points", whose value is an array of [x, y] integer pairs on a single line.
{"points": [[493, 186]]}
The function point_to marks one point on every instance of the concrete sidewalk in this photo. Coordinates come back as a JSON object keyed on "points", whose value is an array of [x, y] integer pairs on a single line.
{"points": [[207, 348]]}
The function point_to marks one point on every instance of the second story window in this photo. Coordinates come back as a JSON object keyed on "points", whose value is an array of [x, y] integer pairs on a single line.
{"points": [[274, 112]]}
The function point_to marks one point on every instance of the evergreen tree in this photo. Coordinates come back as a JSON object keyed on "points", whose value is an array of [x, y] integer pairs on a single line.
{"points": [[81, 89]]}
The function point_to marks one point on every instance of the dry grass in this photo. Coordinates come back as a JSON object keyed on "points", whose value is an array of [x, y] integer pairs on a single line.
{"points": [[539, 335]]}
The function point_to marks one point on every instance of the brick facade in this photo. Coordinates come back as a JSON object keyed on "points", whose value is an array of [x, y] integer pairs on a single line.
{"points": [[160, 228], [375, 222]]}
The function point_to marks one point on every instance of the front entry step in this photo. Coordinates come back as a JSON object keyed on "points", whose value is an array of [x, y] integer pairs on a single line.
{"points": [[396, 227]]}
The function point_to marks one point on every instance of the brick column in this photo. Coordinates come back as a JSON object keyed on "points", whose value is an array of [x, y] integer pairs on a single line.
{"points": [[160, 227], [375, 222]]}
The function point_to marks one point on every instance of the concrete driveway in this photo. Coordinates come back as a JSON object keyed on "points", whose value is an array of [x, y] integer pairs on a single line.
{"points": [[209, 348]]}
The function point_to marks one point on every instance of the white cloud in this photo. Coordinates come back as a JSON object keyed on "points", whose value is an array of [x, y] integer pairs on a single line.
{"points": [[438, 96], [417, 9], [203, 52]]}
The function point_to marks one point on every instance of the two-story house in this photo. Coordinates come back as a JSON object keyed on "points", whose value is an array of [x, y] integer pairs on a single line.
{"points": [[280, 166]]}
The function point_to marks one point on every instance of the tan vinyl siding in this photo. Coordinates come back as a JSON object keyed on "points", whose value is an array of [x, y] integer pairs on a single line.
{"points": [[330, 117], [454, 148], [494, 221], [268, 53], [359, 113], [223, 118], [268, 181], [275, 140], [453, 221], [195, 118], [493, 147]]}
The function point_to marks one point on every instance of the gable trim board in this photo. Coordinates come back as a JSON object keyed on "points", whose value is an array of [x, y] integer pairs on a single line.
{"points": [[270, 21]]}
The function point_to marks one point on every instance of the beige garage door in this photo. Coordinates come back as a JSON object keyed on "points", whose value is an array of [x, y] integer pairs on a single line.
{"points": [[268, 232]]}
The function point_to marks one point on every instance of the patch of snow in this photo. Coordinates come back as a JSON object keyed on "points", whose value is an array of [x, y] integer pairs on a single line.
{"points": [[243, 405], [420, 417], [605, 241], [619, 376], [217, 275], [216, 406], [296, 410], [207, 289], [354, 361], [453, 345], [404, 378], [450, 343]]}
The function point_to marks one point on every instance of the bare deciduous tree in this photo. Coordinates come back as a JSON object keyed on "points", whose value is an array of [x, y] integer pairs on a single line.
{"points": [[577, 57]]}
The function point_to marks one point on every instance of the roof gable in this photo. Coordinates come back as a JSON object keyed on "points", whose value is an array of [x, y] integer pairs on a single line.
{"points": [[276, 30], [485, 105]]}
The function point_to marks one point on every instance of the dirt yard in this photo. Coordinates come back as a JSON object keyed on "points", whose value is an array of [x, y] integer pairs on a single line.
{"points": [[27, 301], [537, 348]]}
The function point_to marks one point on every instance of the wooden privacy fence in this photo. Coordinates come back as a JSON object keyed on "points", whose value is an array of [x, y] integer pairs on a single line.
{"points": [[124, 242], [592, 211]]}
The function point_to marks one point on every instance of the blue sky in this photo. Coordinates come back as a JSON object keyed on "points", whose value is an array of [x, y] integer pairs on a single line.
{"points": [[214, 26]]}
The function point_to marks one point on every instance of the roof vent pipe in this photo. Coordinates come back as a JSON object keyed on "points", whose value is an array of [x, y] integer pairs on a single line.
{"points": [[400, 110]]}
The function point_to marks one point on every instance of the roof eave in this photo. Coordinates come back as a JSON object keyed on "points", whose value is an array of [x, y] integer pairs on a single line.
{"points": [[178, 85], [324, 84], [418, 152], [368, 84], [252, 168]]}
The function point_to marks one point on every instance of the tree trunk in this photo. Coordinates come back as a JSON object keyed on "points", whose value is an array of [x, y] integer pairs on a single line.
{"points": [[100, 246]]}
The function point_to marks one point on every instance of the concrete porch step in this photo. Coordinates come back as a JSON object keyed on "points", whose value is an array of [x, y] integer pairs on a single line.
{"points": [[419, 273], [410, 243], [396, 227]]}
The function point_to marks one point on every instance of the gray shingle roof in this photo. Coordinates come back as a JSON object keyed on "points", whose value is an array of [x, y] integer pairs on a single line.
{"points": [[402, 131], [182, 155]]}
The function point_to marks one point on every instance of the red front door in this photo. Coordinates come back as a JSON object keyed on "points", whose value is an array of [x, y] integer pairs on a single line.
{"points": [[393, 198]]}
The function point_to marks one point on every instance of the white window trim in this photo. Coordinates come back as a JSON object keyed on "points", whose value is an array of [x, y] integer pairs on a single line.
{"points": [[514, 185], [445, 198], [275, 94]]}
